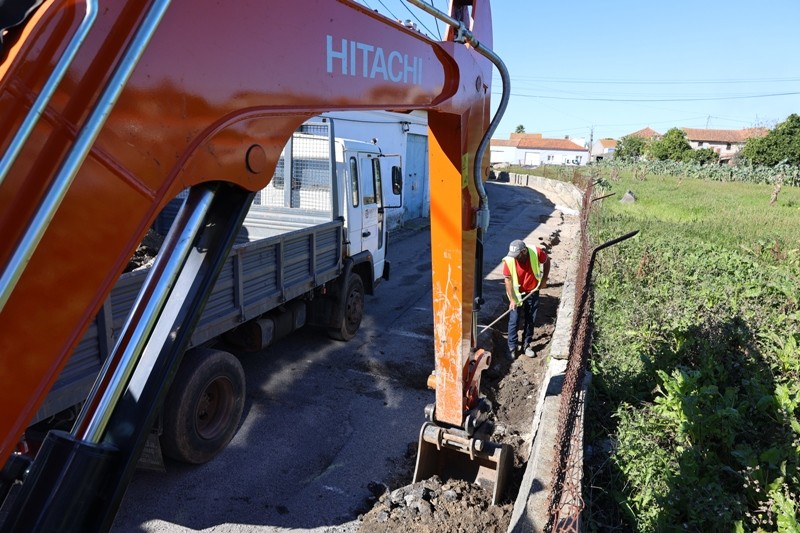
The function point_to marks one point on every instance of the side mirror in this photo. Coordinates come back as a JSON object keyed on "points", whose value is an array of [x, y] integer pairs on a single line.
{"points": [[392, 188], [397, 181]]}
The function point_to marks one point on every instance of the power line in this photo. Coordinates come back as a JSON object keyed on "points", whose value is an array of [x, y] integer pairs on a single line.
{"points": [[650, 95], [436, 21], [655, 82], [389, 10], [704, 99], [417, 18]]}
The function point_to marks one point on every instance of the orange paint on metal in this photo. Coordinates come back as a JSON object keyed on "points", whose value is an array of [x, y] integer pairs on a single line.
{"points": [[189, 113], [454, 141], [450, 265]]}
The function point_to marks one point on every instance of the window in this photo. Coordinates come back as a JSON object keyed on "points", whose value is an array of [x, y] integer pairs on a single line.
{"points": [[354, 196], [699, 144], [728, 147], [368, 185], [376, 174]]}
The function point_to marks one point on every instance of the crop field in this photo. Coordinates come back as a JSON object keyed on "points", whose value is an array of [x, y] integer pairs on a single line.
{"points": [[693, 413]]}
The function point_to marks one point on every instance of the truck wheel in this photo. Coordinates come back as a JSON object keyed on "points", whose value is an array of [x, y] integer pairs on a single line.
{"points": [[353, 309], [203, 406]]}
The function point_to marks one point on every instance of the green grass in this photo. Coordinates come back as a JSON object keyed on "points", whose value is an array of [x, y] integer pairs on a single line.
{"points": [[693, 414], [726, 213]]}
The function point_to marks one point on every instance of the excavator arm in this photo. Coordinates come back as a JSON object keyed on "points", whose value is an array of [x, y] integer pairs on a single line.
{"points": [[109, 109]]}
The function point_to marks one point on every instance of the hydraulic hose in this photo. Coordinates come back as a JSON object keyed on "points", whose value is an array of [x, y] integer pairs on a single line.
{"points": [[463, 35]]}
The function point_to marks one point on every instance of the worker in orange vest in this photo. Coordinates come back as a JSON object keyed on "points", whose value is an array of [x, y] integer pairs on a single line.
{"points": [[525, 270]]}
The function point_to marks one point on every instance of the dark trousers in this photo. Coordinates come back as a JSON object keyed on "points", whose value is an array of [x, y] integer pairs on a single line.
{"points": [[525, 314]]}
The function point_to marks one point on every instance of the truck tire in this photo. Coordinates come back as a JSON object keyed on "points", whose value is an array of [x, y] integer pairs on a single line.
{"points": [[353, 310], [203, 406]]}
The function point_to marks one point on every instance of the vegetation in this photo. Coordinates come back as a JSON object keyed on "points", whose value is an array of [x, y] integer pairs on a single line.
{"points": [[701, 156], [783, 173], [673, 146], [781, 145], [630, 148], [693, 415]]}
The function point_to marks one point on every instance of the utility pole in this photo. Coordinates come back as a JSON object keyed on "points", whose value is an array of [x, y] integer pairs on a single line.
{"points": [[591, 143]]}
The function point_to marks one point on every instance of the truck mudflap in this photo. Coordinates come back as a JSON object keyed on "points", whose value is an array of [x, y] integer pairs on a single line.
{"points": [[451, 454]]}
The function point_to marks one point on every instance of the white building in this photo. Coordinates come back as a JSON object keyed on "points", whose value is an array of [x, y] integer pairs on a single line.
{"points": [[726, 143], [532, 150], [603, 149]]}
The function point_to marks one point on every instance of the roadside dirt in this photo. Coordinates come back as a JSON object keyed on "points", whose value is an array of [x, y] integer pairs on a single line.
{"points": [[442, 505], [513, 386]]}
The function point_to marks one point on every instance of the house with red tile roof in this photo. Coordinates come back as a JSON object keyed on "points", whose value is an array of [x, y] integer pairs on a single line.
{"points": [[603, 149], [531, 149], [726, 143], [646, 133]]}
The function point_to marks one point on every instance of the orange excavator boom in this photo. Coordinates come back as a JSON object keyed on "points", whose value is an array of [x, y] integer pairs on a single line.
{"points": [[108, 109]]}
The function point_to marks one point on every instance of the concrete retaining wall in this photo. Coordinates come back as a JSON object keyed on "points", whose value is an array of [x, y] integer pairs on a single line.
{"points": [[530, 512]]}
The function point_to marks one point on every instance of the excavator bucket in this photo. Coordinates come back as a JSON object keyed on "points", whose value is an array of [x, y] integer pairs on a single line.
{"points": [[453, 456]]}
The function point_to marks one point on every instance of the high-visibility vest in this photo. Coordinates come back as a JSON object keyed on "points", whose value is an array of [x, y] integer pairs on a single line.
{"points": [[511, 263]]}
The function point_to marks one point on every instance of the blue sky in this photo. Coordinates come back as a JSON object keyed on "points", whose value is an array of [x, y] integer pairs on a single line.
{"points": [[616, 67]]}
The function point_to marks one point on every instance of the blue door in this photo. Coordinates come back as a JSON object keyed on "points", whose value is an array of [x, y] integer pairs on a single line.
{"points": [[415, 193]]}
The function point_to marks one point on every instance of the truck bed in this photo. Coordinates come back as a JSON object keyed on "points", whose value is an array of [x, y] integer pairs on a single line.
{"points": [[258, 276]]}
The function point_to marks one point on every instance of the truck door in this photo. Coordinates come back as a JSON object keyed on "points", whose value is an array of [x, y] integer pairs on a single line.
{"points": [[372, 225], [373, 180]]}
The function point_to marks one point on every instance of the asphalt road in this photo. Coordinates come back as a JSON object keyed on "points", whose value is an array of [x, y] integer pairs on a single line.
{"points": [[324, 419]]}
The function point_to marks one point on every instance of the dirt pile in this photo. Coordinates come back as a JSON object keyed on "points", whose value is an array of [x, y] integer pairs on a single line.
{"points": [[146, 253], [435, 506]]}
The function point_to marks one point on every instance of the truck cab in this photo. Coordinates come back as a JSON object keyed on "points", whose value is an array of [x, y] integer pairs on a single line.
{"points": [[333, 178], [367, 200]]}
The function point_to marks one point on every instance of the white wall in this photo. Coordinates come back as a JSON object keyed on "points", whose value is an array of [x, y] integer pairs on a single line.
{"points": [[387, 128], [530, 157], [720, 147], [503, 154], [599, 149], [554, 157]]}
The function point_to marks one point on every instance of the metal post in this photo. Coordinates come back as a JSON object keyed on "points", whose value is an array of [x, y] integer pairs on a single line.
{"points": [[117, 369], [80, 149]]}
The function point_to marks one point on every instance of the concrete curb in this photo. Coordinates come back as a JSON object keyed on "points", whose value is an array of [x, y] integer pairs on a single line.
{"points": [[562, 336], [530, 508]]}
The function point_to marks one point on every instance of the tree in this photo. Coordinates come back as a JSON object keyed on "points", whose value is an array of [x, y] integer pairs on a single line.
{"points": [[780, 144], [520, 129], [673, 145], [630, 148], [702, 156]]}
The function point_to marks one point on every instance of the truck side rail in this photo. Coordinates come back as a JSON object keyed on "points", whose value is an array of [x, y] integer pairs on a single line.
{"points": [[257, 277]]}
